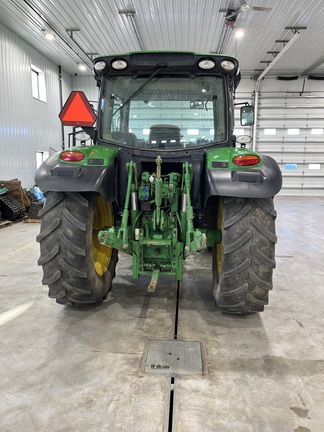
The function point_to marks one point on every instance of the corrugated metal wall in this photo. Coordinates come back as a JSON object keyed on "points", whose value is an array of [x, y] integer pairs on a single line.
{"points": [[26, 124], [88, 85]]}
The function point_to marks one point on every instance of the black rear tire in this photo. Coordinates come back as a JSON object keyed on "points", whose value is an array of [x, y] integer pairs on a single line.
{"points": [[77, 268], [242, 277]]}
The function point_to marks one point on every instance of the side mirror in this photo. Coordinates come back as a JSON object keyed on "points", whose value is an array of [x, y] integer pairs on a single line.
{"points": [[247, 115]]}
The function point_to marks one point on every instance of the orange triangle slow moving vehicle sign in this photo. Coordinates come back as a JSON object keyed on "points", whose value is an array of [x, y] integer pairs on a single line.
{"points": [[77, 111]]}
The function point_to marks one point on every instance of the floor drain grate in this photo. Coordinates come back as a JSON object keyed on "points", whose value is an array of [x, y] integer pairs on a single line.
{"points": [[173, 358]]}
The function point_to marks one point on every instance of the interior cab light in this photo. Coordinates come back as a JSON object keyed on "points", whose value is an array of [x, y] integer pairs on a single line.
{"points": [[246, 160], [72, 156]]}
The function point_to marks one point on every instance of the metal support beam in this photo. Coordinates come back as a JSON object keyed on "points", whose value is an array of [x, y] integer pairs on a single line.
{"points": [[284, 41], [263, 74], [91, 55], [130, 13], [70, 32], [295, 29]]}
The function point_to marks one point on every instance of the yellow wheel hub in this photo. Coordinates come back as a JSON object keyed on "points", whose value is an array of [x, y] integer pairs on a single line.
{"points": [[103, 216]]}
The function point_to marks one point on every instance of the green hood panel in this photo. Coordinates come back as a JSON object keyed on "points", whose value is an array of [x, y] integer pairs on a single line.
{"points": [[221, 158]]}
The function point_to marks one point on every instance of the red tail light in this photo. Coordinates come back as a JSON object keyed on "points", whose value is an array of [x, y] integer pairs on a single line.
{"points": [[246, 160], [72, 156]]}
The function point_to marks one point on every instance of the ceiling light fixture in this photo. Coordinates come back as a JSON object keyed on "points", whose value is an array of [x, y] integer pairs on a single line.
{"points": [[239, 34], [82, 66], [48, 35], [244, 7]]}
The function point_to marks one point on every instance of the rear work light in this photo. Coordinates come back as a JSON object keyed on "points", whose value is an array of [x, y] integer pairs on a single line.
{"points": [[100, 65], [206, 64], [246, 160], [72, 156], [227, 65], [119, 64]]}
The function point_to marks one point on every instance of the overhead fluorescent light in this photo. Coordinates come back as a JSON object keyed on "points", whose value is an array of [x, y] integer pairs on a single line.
{"points": [[82, 66], [49, 35], [239, 34]]}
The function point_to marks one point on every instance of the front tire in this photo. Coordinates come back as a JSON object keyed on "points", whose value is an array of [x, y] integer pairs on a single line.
{"points": [[77, 268], [242, 275]]}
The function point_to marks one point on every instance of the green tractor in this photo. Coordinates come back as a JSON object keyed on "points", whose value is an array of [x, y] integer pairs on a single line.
{"points": [[164, 179]]}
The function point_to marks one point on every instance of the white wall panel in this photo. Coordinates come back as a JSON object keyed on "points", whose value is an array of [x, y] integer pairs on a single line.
{"points": [[88, 85], [26, 124]]}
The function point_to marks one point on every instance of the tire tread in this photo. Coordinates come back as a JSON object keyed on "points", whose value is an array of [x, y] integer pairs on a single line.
{"points": [[66, 250], [248, 255]]}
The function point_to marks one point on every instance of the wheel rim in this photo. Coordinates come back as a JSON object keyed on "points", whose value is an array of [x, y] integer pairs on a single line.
{"points": [[103, 216]]}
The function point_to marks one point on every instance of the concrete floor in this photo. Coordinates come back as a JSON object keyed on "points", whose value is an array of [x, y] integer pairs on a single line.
{"points": [[70, 370]]}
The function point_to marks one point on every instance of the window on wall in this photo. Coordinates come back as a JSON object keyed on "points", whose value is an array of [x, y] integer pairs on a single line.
{"points": [[293, 131], [317, 131], [270, 131], [314, 166], [38, 84]]}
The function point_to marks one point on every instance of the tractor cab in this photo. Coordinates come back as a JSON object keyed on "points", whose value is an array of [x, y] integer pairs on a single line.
{"points": [[166, 102]]}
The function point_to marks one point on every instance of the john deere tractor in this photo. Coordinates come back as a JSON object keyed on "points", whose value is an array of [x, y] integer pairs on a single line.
{"points": [[164, 178]]}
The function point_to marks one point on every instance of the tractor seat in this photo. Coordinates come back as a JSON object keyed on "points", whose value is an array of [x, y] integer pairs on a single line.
{"points": [[164, 136], [127, 138]]}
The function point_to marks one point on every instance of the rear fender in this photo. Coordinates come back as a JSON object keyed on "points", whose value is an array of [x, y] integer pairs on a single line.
{"points": [[95, 173], [224, 178]]}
